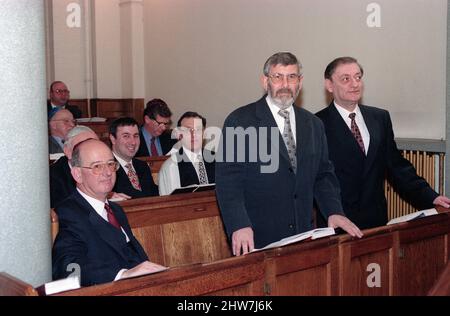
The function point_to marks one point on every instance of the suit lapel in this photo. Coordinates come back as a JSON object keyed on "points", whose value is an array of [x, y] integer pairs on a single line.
{"points": [[375, 137], [106, 231], [303, 135]]}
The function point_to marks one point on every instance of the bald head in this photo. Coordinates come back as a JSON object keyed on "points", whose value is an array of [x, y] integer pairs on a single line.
{"points": [[93, 168]]}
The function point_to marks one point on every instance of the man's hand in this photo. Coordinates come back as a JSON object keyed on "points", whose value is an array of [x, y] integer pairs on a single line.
{"points": [[344, 223], [242, 239], [442, 201], [145, 267]]}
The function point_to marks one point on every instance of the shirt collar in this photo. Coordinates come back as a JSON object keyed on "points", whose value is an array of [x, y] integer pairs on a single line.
{"points": [[97, 205], [274, 108], [344, 112], [191, 155], [121, 161]]}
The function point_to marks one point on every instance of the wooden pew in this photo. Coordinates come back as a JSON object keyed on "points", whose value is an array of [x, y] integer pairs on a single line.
{"points": [[242, 276], [11, 286], [442, 285], [155, 164], [179, 229]]}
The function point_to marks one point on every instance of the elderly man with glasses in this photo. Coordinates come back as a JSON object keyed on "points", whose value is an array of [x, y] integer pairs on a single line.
{"points": [[60, 122], [95, 237], [59, 96], [155, 137]]}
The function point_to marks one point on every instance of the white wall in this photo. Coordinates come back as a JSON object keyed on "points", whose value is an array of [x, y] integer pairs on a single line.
{"points": [[207, 55]]}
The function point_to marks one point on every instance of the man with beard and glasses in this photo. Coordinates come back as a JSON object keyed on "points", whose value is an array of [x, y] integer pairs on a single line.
{"points": [[258, 206]]}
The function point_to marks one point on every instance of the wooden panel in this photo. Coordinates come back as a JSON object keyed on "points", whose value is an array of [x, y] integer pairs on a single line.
{"points": [[11, 286], [115, 108], [179, 230], [368, 259], [100, 128], [243, 275], [442, 285], [82, 104], [303, 269], [420, 264]]}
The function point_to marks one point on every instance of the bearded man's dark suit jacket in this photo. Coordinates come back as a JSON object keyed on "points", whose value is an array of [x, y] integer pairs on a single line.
{"points": [[61, 182], [86, 239], [148, 186], [361, 177], [166, 144], [277, 204], [76, 112]]}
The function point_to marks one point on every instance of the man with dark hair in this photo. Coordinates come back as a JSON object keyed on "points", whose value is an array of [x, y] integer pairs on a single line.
{"points": [[188, 165], [260, 206], [59, 98], [155, 136], [94, 235], [134, 177], [362, 147]]}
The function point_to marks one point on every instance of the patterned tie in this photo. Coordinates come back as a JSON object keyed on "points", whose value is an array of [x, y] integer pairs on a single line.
{"points": [[111, 217], [202, 175], [133, 177], [288, 138], [356, 132], [154, 151]]}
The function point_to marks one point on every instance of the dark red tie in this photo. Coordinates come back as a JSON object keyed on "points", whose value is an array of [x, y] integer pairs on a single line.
{"points": [[111, 217], [356, 132], [154, 151]]}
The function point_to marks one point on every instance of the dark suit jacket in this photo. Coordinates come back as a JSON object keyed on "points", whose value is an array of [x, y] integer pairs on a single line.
{"points": [[277, 204], [186, 169], [76, 112], [166, 144], [53, 146], [361, 177], [123, 184], [86, 239], [61, 182]]}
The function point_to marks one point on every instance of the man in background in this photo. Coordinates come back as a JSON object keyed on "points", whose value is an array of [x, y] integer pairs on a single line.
{"points": [[187, 166], [60, 123], [59, 96], [155, 137], [134, 177]]}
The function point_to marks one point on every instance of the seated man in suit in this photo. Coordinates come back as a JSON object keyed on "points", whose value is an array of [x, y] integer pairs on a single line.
{"points": [[154, 135], [363, 150], [187, 166], [94, 233], [60, 122], [134, 177], [59, 98]]}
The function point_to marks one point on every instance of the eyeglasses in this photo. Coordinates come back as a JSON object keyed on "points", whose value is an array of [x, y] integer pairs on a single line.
{"points": [[167, 124], [98, 168], [66, 121], [279, 78], [61, 91]]}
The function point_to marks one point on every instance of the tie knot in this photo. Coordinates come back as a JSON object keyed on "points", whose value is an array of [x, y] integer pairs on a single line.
{"points": [[128, 166], [352, 116], [284, 114], [108, 208]]}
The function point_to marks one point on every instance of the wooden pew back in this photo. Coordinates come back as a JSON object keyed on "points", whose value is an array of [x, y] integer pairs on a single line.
{"points": [[11, 286]]}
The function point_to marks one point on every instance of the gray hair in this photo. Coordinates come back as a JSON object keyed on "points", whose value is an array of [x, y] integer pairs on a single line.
{"points": [[282, 58], [74, 132]]}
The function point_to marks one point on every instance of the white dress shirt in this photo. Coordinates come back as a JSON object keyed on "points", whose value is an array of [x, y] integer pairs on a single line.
{"points": [[280, 120], [169, 174], [359, 119]]}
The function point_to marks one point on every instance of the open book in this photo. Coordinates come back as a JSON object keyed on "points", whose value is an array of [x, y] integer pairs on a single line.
{"points": [[313, 234], [412, 216], [194, 188]]}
